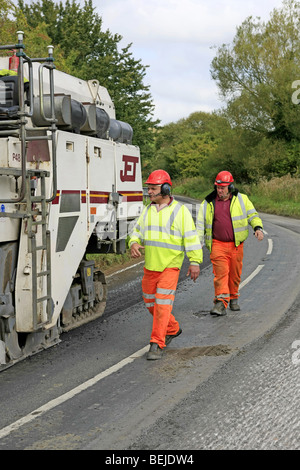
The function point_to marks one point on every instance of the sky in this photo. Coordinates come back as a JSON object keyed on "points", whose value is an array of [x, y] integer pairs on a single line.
{"points": [[177, 40]]}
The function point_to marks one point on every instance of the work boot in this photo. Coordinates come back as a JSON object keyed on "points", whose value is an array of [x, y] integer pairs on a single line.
{"points": [[155, 352], [234, 305], [169, 338], [218, 309]]}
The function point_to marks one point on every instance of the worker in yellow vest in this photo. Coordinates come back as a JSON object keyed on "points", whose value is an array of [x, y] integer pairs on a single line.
{"points": [[222, 223], [165, 230]]}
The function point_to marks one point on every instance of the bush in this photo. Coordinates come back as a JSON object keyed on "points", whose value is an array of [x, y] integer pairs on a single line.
{"points": [[279, 196], [283, 189]]}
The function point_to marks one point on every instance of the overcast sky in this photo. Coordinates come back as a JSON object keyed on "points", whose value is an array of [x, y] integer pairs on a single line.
{"points": [[176, 38]]}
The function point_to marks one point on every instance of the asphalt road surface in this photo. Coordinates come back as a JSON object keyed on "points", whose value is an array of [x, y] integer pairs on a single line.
{"points": [[226, 383]]}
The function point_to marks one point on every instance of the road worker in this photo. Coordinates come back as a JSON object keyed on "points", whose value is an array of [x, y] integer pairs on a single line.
{"points": [[165, 230], [222, 224]]}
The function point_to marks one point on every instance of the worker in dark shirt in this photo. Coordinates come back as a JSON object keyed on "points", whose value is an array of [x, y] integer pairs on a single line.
{"points": [[222, 224]]}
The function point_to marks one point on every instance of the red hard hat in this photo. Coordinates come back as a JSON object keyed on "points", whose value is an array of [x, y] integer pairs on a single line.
{"points": [[224, 178], [159, 177]]}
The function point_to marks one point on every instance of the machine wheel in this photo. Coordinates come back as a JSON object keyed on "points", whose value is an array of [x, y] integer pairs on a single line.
{"points": [[76, 311]]}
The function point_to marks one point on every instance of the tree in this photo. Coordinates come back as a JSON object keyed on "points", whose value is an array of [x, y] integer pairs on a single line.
{"points": [[7, 22], [93, 53], [255, 74], [182, 148]]}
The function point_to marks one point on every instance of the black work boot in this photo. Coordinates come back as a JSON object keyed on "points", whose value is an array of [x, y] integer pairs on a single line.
{"points": [[155, 352], [218, 309], [233, 304], [169, 338]]}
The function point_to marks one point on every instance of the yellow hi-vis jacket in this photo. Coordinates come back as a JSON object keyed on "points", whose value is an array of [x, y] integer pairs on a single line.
{"points": [[242, 213], [166, 234], [7, 73]]}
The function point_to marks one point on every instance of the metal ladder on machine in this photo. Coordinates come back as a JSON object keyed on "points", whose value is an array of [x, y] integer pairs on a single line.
{"points": [[29, 175], [33, 214]]}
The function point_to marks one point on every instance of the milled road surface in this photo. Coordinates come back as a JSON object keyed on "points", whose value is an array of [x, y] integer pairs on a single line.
{"points": [[251, 403]]}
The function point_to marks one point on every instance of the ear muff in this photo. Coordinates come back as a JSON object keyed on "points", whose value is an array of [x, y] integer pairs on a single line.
{"points": [[165, 189]]}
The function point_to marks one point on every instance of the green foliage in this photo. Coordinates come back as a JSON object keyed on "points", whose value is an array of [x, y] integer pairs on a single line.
{"points": [[183, 147], [110, 260], [279, 195], [196, 187], [255, 74], [7, 22], [249, 156]]}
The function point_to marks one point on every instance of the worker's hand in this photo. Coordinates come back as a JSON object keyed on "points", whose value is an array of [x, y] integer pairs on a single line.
{"points": [[259, 235], [135, 250], [193, 271]]}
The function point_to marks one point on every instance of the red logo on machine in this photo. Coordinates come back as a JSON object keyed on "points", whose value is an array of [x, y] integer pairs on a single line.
{"points": [[129, 170]]}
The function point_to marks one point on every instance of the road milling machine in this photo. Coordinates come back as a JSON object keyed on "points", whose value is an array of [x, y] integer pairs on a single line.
{"points": [[70, 185]]}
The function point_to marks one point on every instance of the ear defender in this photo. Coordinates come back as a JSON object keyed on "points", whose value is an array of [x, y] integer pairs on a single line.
{"points": [[165, 189]]}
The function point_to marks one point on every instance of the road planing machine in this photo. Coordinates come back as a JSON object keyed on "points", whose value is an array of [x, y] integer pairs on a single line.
{"points": [[70, 186]]}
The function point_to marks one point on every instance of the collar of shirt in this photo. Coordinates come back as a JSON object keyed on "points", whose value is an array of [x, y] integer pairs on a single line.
{"points": [[161, 206]]}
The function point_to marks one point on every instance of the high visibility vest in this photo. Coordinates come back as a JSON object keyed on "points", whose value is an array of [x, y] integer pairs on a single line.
{"points": [[7, 73], [242, 214], [166, 235]]}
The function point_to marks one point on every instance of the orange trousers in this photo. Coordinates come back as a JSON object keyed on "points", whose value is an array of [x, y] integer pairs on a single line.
{"points": [[159, 293], [227, 262]]}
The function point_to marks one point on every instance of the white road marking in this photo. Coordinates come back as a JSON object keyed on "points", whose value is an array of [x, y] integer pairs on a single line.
{"points": [[270, 246], [249, 278], [67, 396], [125, 269]]}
